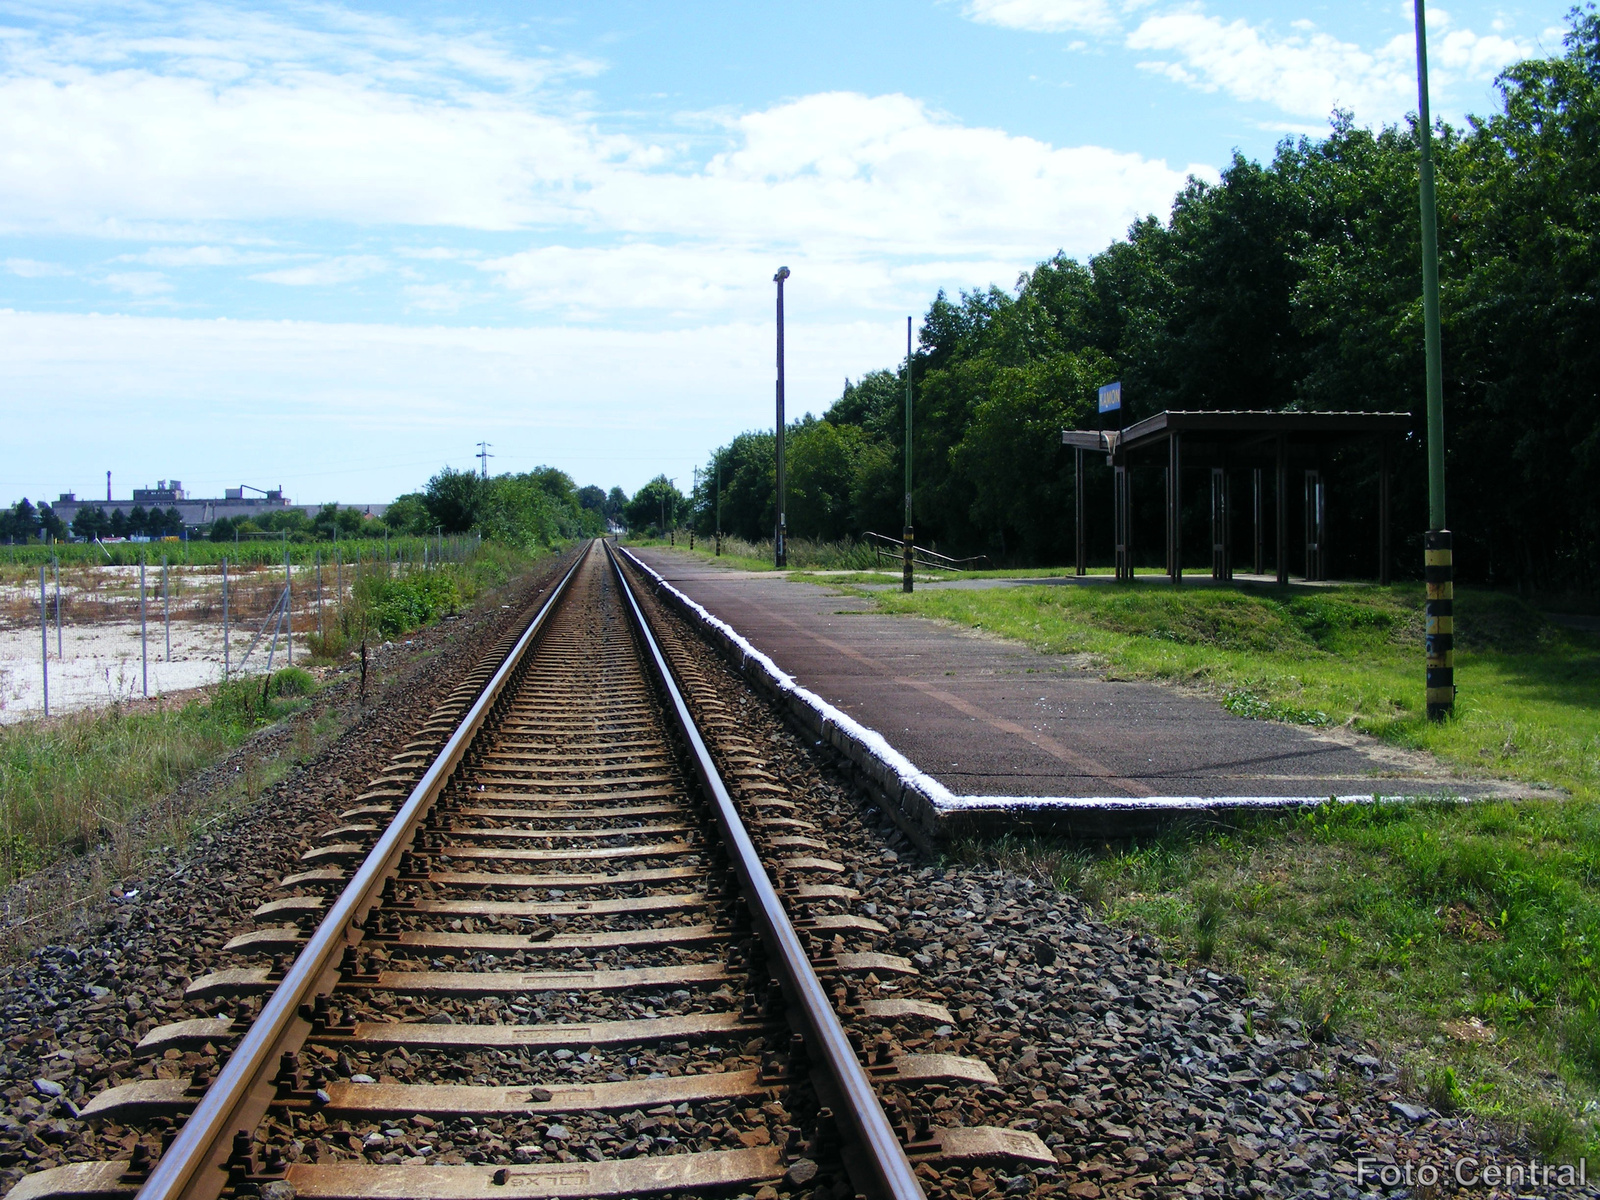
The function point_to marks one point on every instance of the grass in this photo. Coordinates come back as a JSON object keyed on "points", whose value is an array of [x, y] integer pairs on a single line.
{"points": [[1465, 938], [74, 783], [260, 550], [804, 553], [1529, 703]]}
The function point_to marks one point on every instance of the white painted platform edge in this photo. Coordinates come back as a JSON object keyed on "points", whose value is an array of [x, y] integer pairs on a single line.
{"points": [[912, 779]]}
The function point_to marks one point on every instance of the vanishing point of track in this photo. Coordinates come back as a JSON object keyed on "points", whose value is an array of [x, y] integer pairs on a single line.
{"points": [[563, 918]]}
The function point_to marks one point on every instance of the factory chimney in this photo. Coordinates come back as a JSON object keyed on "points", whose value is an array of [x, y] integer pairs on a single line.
{"points": [[108, 487]]}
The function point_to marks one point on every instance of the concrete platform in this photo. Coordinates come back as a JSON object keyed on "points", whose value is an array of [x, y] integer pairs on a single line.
{"points": [[992, 719]]}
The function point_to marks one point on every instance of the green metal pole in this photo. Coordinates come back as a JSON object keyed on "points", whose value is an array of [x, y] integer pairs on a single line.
{"points": [[907, 539], [1438, 564]]}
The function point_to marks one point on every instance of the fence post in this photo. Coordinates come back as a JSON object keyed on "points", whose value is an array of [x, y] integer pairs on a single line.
{"points": [[225, 644], [166, 607], [144, 644], [288, 602], [322, 631], [56, 559], [44, 640]]}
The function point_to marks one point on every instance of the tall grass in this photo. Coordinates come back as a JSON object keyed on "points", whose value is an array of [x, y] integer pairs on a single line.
{"points": [[393, 602], [71, 784], [804, 553], [259, 551]]}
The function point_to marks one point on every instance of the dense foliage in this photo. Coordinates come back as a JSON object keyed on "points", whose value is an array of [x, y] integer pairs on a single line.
{"points": [[1291, 285], [23, 522], [536, 508]]}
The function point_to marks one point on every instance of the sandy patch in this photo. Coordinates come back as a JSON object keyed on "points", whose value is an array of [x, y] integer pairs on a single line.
{"points": [[104, 663]]}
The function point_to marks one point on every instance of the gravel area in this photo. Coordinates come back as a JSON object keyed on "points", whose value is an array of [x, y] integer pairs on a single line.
{"points": [[71, 1012], [1145, 1076]]}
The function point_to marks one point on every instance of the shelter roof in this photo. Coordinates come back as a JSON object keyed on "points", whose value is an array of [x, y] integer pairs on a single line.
{"points": [[1240, 424]]}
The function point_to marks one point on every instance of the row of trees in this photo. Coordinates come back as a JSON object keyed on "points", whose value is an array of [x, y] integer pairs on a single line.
{"points": [[23, 522], [1290, 285], [95, 522], [331, 523], [534, 508]]}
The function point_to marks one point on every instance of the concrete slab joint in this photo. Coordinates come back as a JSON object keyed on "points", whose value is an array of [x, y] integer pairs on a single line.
{"points": [[929, 812]]}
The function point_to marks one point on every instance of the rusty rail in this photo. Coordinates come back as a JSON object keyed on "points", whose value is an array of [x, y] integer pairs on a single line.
{"points": [[637, 717], [863, 1116], [194, 1166]]}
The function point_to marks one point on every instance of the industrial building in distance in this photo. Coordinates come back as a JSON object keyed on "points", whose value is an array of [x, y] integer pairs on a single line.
{"points": [[196, 510]]}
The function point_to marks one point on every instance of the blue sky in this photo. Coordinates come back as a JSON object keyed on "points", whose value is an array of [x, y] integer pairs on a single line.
{"points": [[332, 246]]}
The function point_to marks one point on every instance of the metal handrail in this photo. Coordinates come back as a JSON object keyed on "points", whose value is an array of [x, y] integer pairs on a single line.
{"points": [[862, 1113], [194, 1166], [883, 544]]}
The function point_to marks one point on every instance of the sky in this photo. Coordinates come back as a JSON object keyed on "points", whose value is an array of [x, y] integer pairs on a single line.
{"points": [[331, 247]]}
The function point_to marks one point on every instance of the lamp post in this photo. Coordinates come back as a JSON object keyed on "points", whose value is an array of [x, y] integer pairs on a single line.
{"points": [[671, 483], [907, 537], [780, 548], [1438, 567], [718, 516]]}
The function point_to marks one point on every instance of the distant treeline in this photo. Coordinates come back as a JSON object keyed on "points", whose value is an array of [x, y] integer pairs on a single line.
{"points": [[535, 509], [1293, 285]]}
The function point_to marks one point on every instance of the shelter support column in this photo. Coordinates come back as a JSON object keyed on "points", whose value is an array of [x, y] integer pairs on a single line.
{"points": [[1080, 562], [1123, 519], [1383, 511], [1316, 567], [1175, 507], [1257, 563], [1221, 525], [1281, 504]]}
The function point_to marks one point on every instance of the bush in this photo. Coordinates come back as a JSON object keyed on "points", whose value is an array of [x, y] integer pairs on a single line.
{"points": [[292, 681], [406, 602]]}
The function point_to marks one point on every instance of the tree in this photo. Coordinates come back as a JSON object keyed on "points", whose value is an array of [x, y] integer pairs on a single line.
{"points": [[91, 522], [407, 513], [657, 505], [454, 500], [53, 525]]}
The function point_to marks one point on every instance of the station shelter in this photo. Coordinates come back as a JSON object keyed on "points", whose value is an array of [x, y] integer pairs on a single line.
{"points": [[1224, 444]]}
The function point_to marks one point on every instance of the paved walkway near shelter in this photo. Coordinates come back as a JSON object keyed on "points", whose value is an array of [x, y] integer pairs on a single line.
{"points": [[987, 717]]}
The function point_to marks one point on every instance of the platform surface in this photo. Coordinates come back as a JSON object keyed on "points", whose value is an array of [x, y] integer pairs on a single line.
{"points": [[988, 717]]}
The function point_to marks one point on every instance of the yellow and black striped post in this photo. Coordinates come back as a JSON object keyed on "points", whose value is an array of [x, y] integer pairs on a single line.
{"points": [[1439, 628]]}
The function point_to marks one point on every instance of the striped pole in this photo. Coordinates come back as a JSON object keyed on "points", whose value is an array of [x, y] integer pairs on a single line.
{"points": [[1438, 567], [1439, 628]]}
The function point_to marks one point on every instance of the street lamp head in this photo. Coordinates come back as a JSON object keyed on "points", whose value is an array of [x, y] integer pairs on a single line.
{"points": [[783, 273]]}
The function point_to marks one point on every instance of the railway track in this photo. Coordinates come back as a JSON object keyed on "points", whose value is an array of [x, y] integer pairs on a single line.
{"points": [[585, 948]]}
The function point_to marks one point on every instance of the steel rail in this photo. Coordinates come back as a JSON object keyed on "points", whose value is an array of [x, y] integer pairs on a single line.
{"points": [[862, 1113], [194, 1166]]}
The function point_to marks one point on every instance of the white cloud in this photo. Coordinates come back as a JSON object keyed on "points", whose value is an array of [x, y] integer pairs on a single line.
{"points": [[140, 284], [882, 175], [256, 121], [32, 268], [200, 256], [1306, 73], [1044, 16], [344, 269], [1310, 73]]}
